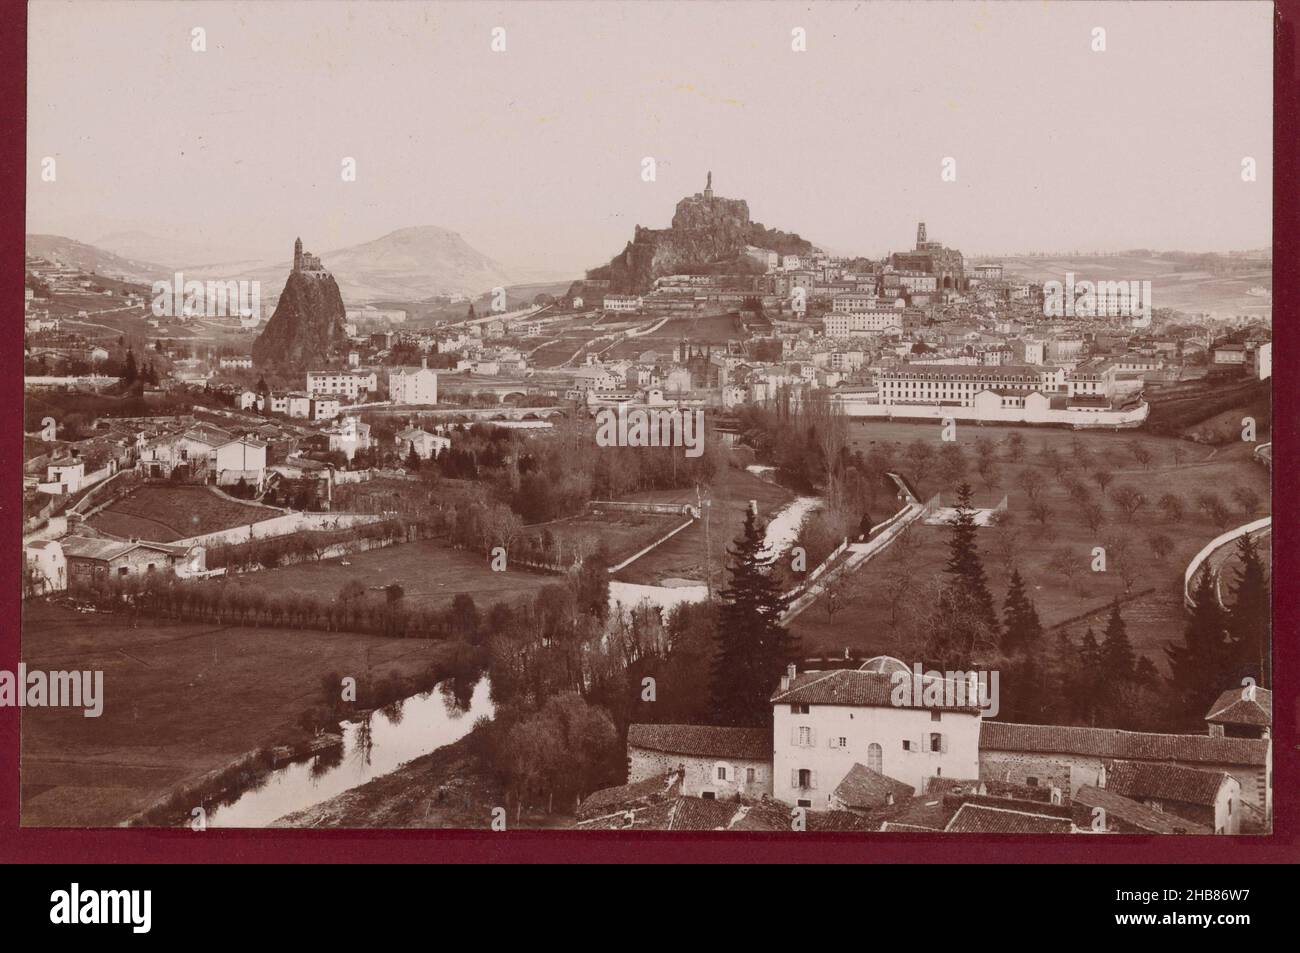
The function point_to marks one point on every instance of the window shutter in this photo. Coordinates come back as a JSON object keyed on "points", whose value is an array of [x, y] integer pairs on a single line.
{"points": [[943, 744], [794, 735], [830, 742], [812, 737], [812, 780], [794, 777]]}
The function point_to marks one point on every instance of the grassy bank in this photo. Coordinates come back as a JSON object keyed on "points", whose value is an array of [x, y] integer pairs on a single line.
{"points": [[183, 703]]}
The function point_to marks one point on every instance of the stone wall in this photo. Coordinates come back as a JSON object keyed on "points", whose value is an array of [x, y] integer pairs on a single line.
{"points": [[700, 775]]}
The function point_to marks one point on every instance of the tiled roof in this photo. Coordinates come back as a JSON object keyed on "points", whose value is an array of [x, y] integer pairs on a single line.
{"points": [[845, 687], [766, 815], [838, 821], [246, 441], [88, 547], [704, 741], [702, 814], [1162, 782], [671, 814], [937, 787], [980, 819], [1233, 708], [1131, 812], [863, 789], [1130, 745], [656, 817], [626, 796]]}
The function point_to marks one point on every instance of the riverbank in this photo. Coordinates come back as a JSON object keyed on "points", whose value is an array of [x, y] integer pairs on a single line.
{"points": [[447, 788], [183, 703]]}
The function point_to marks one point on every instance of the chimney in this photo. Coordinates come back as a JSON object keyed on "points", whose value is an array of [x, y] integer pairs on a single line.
{"points": [[788, 677], [424, 363]]}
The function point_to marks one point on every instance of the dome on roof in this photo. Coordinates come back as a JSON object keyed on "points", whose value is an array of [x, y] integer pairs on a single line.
{"points": [[886, 664]]}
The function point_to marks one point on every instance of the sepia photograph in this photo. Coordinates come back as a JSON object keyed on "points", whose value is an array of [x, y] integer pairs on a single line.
{"points": [[724, 418]]}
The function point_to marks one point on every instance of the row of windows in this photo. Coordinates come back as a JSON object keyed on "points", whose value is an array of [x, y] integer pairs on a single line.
{"points": [[722, 773], [806, 737]]}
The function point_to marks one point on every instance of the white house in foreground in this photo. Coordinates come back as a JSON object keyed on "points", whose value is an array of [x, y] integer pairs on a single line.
{"points": [[825, 722]]}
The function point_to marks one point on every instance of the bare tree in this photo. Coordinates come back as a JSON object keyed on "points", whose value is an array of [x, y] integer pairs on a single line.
{"points": [[1161, 545], [1129, 499], [1066, 564], [1121, 558], [1213, 507], [1140, 453], [990, 476], [1171, 506], [919, 456], [952, 463], [1015, 447], [901, 567], [1103, 478], [1006, 540], [1031, 481], [837, 592]]}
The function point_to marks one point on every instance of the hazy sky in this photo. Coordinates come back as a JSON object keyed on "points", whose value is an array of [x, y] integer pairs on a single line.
{"points": [[534, 155]]}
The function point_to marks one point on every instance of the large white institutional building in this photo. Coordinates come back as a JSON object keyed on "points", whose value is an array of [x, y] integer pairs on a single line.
{"points": [[413, 385]]}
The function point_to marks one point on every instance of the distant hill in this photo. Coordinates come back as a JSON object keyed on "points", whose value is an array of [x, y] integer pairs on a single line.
{"points": [[410, 264], [92, 258], [1185, 284], [174, 253], [415, 262]]}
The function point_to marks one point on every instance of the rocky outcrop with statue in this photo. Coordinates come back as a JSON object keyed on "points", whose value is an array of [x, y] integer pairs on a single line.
{"points": [[709, 235]]}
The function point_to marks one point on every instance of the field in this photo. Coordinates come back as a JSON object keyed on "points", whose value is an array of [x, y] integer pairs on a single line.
{"points": [[181, 701], [684, 556], [430, 574], [1064, 538], [623, 534], [164, 513]]}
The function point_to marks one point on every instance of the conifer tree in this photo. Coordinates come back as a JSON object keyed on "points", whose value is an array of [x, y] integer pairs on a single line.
{"points": [[1026, 689], [1249, 619], [753, 647], [1199, 665], [1064, 677], [1021, 628], [1090, 677], [1117, 658], [973, 611]]}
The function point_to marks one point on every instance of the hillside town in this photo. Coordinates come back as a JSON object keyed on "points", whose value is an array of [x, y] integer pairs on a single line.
{"points": [[880, 437], [561, 424]]}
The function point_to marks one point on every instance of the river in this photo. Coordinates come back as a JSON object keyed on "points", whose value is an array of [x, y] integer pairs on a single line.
{"points": [[372, 747], [782, 531]]}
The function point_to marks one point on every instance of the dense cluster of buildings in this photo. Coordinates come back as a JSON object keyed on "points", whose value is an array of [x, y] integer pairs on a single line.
{"points": [[918, 334], [842, 754]]}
